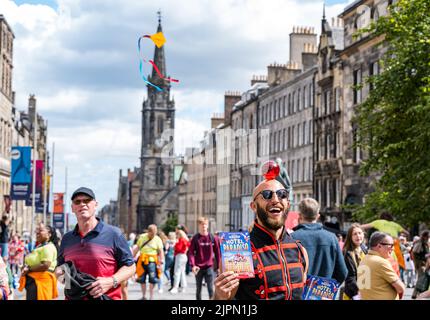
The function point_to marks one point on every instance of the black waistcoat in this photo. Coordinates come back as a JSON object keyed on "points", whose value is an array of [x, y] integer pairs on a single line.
{"points": [[278, 267]]}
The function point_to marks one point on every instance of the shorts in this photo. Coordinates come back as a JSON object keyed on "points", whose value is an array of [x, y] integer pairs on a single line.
{"points": [[4, 249], [149, 270]]}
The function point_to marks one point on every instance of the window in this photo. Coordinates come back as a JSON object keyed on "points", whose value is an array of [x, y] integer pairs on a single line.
{"points": [[299, 135], [327, 102], [284, 139], [327, 146], [321, 143], [299, 105], [279, 141], [160, 175], [328, 187], [293, 102], [292, 137], [288, 138], [337, 99], [304, 169], [311, 138], [337, 144], [357, 82], [305, 140], [310, 169], [337, 200], [305, 102], [279, 108], [289, 104], [292, 170], [284, 106], [373, 71], [160, 125], [357, 150]]}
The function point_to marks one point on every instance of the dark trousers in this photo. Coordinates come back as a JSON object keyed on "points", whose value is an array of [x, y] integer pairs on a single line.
{"points": [[208, 274], [30, 288]]}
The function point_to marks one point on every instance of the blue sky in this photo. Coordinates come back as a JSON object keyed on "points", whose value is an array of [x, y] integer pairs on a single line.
{"points": [[79, 57]]}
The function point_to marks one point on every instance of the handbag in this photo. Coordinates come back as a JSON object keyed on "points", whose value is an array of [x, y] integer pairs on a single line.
{"points": [[423, 282]]}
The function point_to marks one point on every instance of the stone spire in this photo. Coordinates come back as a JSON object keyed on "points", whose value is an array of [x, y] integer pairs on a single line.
{"points": [[159, 57]]}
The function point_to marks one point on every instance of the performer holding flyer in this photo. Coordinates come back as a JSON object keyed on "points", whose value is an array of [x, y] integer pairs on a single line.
{"points": [[279, 262]]}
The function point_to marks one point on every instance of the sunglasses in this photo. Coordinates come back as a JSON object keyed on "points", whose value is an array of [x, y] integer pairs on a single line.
{"points": [[268, 194], [77, 202], [387, 244]]}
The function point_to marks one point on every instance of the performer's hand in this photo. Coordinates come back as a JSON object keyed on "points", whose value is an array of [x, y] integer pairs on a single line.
{"points": [[100, 287], [225, 284]]}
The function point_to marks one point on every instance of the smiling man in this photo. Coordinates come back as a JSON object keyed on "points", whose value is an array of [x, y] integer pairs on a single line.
{"points": [[96, 248], [280, 262]]}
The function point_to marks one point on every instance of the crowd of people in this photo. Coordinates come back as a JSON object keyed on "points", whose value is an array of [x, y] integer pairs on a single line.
{"points": [[374, 261]]}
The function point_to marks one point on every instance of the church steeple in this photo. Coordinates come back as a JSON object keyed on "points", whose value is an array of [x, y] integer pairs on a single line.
{"points": [[323, 21], [159, 57]]}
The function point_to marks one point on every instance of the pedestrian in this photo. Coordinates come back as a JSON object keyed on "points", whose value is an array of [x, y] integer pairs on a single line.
{"points": [[181, 249], [4, 281], [4, 237], [325, 256], [150, 260], [124, 284], [16, 253], [37, 274], [275, 277], [376, 278], [204, 257], [340, 240], [419, 252], [409, 275], [169, 251], [96, 248], [387, 225], [164, 239], [354, 251], [425, 292]]}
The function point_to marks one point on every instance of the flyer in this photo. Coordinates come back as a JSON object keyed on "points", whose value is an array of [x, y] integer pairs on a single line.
{"points": [[236, 254]]}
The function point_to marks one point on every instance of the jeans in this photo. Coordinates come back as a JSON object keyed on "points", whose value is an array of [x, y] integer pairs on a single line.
{"points": [[180, 264], [208, 274]]}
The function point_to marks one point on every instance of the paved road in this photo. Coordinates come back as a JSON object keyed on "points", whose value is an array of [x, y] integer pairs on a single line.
{"points": [[135, 292]]}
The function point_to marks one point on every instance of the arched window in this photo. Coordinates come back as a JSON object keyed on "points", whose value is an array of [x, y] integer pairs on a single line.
{"points": [[159, 177], [160, 124]]}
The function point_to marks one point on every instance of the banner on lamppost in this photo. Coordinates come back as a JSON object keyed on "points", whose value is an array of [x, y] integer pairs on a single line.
{"points": [[58, 213], [39, 188], [21, 173]]}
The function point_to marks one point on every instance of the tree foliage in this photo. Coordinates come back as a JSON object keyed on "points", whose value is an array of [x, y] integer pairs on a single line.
{"points": [[394, 120], [170, 224]]}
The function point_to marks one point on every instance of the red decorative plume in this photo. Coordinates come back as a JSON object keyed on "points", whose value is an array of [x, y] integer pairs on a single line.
{"points": [[270, 170]]}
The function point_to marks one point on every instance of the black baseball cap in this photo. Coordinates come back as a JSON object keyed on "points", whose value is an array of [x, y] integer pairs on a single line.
{"points": [[83, 190]]}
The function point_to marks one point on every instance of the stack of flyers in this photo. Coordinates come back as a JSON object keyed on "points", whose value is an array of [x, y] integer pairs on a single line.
{"points": [[318, 288], [236, 254]]}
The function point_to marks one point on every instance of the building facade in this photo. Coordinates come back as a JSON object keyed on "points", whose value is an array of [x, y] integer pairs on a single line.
{"points": [[328, 121], [285, 113], [6, 105]]}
